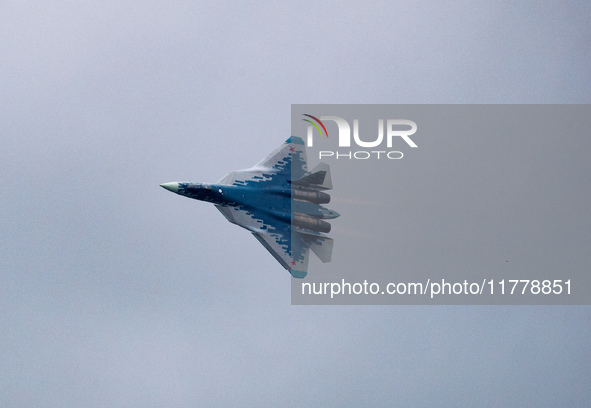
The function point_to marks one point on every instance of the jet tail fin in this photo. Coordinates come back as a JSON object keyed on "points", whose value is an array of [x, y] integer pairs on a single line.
{"points": [[318, 178]]}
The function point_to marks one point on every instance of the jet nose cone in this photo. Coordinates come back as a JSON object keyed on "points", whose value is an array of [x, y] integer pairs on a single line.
{"points": [[328, 214], [174, 187]]}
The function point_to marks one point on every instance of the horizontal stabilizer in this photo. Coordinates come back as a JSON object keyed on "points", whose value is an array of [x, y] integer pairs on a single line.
{"points": [[315, 178], [318, 178], [319, 244]]}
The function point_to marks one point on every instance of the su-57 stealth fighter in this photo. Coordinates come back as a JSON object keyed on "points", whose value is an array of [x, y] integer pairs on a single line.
{"points": [[277, 200]]}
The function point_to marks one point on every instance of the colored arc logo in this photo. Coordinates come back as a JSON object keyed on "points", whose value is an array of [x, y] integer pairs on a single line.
{"points": [[315, 125]]}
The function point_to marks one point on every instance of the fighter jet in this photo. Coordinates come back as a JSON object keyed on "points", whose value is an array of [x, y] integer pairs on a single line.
{"points": [[278, 201]]}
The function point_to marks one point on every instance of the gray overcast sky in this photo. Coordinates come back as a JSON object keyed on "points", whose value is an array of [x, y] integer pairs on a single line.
{"points": [[113, 292]]}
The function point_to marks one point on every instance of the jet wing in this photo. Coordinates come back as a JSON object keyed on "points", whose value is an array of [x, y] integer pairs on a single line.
{"points": [[290, 250], [286, 163], [240, 216]]}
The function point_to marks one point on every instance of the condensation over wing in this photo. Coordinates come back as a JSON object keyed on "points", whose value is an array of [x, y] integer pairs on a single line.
{"points": [[286, 163]]}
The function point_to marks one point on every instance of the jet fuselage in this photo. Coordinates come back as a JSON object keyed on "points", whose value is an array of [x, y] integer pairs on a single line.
{"points": [[277, 202]]}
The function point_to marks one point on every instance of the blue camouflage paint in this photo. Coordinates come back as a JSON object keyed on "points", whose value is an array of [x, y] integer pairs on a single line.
{"points": [[265, 197]]}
